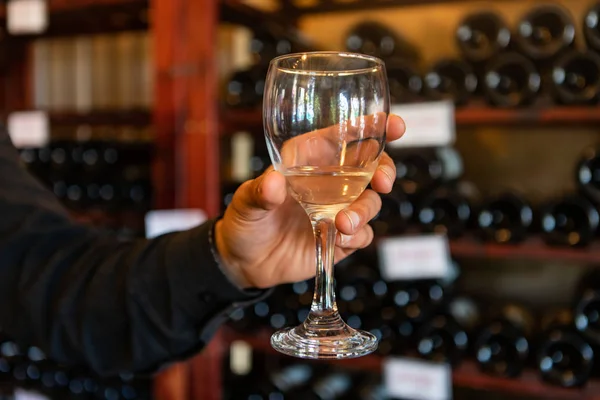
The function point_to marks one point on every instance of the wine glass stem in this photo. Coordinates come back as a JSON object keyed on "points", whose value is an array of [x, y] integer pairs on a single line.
{"points": [[325, 233]]}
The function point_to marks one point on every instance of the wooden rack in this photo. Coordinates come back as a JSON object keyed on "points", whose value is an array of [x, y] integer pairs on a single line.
{"points": [[467, 374], [187, 122], [233, 120]]}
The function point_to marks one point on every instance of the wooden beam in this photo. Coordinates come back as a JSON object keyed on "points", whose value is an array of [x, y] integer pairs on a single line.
{"points": [[185, 120]]}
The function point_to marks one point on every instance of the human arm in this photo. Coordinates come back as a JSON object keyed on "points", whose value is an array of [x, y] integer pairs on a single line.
{"points": [[86, 298]]}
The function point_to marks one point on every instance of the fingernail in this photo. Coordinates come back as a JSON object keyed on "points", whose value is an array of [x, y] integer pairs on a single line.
{"points": [[388, 172], [344, 239], [353, 217]]}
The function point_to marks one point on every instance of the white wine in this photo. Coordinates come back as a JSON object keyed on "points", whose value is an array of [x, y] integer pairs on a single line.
{"points": [[327, 189]]}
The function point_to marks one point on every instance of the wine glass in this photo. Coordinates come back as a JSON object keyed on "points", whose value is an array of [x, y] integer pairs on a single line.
{"points": [[325, 116]]}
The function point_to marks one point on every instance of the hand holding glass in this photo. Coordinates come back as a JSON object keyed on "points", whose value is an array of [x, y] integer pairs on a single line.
{"points": [[325, 117]]}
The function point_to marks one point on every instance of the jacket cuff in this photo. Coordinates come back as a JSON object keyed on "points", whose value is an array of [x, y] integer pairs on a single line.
{"points": [[198, 269]]}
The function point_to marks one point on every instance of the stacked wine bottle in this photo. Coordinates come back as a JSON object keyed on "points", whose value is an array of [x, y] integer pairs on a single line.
{"points": [[253, 375], [27, 369], [107, 169], [431, 319], [540, 59], [430, 196], [508, 67], [245, 87]]}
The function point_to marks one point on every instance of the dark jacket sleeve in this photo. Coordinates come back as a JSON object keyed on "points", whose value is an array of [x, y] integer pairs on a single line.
{"points": [[86, 298]]}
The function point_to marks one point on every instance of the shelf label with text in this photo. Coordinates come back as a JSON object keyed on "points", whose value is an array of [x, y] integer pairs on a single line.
{"points": [[159, 222], [414, 257], [21, 394], [418, 380], [26, 16], [29, 129], [430, 124]]}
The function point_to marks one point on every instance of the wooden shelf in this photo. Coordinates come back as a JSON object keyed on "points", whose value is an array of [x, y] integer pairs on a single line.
{"points": [[280, 23], [81, 17], [560, 115], [232, 119], [531, 249], [325, 6], [139, 118], [466, 375]]}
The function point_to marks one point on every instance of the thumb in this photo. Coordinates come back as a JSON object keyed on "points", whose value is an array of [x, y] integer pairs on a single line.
{"points": [[255, 198]]}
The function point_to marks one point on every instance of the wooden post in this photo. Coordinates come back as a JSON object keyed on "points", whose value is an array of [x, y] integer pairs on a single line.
{"points": [[187, 168], [185, 112]]}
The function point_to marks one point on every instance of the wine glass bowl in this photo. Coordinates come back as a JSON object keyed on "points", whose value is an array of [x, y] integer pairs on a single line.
{"points": [[325, 117]]}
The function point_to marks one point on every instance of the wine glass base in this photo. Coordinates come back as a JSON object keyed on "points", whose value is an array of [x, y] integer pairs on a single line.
{"points": [[331, 340]]}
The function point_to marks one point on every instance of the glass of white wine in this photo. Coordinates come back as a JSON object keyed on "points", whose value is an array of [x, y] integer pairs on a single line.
{"points": [[325, 117]]}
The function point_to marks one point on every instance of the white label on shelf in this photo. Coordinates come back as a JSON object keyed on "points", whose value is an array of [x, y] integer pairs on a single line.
{"points": [[240, 360], [21, 394], [427, 124], [26, 16], [414, 257], [242, 148], [159, 222], [29, 128], [418, 380]]}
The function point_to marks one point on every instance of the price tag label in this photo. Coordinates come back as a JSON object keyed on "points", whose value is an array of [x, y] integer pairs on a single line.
{"points": [[26, 16], [29, 129], [427, 124], [159, 222], [414, 257], [418, 380], [21, 394], [242, 147], [240, 357]]}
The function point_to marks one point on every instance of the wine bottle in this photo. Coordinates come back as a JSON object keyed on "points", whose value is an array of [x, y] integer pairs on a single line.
{"points": [[591, 27], [293, 378], [588, 174], [394, 216], [9, 351], [444, 337], [99, 158], [511, 80], [228, 189], [388, 334], [569, 221], [418, 300], [482, 35], [134, 187], [447, 210], [333, 386], [405, 82], [252, 318], [280, 312], [452, 80], [377, 40], [564, 357], [586, 312], [245, 88], [371, 387], [576, 78], [61, 159], [418, 171], [502, 347], [506, 218], [37, 162], [266, 45], [355, 282], [545, 31]]}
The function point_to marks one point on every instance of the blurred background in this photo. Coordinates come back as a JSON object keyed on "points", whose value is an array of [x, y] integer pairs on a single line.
{"points": [[145, 116]]}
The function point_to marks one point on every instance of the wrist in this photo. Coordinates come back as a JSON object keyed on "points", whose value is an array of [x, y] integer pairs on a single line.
{"points": [[228, 265]]}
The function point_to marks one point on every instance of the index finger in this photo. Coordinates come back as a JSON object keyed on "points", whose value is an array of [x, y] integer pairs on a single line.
{"points": [[395, 129]]}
